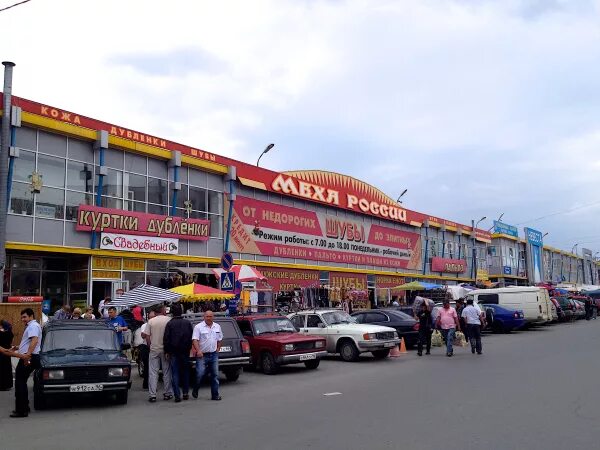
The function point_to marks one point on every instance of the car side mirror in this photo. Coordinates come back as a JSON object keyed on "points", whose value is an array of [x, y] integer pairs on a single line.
{"points": [[247, 333], [125, 347], [321, 325]]}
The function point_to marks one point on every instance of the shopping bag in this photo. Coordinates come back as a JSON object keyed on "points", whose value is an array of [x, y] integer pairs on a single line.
{"points": [[436, 339], [459, 339]]}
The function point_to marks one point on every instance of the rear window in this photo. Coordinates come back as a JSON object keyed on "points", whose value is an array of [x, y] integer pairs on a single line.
{"points": [[490, 299], [229, 329]]}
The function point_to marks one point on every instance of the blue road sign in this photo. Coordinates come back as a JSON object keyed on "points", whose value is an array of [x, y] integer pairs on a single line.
{"points": [[226, 261], [227, 281]]}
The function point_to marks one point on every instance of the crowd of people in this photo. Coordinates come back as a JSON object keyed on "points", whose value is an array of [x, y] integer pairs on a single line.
{"points": [[449, 321]]}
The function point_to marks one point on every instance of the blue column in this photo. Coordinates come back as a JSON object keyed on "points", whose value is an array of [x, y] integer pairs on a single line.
{"points": [[98, 194], [426, 250], [230, 214], [174, 200]]}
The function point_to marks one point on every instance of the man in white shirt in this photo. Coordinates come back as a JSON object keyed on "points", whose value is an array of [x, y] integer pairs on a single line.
{"points": [[206, 342], [155, 332], [472, 316], [103, 307], [28, 353]]}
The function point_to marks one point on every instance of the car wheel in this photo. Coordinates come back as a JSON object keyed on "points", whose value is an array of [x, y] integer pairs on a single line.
{"points": [[269, 366], [232, 375], [122, 397], [312, 365], [348, 351], [39, 400], [381, 354]]}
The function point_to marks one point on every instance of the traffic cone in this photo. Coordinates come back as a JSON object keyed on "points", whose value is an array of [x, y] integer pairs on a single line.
{"points": [[402, 346]]}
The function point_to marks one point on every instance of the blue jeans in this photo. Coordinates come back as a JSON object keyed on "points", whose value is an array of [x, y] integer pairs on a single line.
{"points": [[449, 337], [209, 363], [180, 372]]}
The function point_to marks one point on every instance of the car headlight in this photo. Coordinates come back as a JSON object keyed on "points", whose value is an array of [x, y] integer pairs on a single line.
{"points": [[118, 372], [54, 374], [288, 347], [319, 344], [369, 336], [396, 335]]}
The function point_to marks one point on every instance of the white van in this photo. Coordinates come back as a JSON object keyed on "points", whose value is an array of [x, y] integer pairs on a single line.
{"points": [[533, 301]]}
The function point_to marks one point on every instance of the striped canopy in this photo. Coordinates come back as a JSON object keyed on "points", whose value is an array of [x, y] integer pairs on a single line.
{"points": [[243, 273], [145, 295]]}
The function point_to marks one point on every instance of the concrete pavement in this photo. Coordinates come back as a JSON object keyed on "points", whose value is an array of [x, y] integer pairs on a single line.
{"points": [[535, 389]]}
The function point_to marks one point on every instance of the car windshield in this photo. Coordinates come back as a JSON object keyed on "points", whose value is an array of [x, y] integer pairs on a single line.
{"points": [[73, 340], [336, 317], [274, 325]]}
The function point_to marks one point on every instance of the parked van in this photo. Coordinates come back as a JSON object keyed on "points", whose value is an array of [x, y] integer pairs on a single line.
{"points": [[533, 301]]}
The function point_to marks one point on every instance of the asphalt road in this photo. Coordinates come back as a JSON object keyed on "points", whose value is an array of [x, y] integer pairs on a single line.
{"points": [[536, 389]]}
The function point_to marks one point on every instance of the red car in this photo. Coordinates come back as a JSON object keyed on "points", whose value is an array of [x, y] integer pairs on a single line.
{"points": [[274, 342]]}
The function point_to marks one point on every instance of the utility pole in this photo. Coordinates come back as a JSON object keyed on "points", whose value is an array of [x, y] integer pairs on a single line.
{"points": [[4, 152]]}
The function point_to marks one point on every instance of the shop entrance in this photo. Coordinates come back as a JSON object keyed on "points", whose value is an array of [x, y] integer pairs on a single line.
{"points": [[100, 290]]}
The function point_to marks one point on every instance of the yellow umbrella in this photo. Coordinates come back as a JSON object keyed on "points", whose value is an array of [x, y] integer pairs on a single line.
{"points": [[197, 292]]}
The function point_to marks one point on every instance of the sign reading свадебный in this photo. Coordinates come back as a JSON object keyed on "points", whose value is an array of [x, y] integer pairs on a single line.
{"points": [[144, 244], [95, 218], [263, 228]]}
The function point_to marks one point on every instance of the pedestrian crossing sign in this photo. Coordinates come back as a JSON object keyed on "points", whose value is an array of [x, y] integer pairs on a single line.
{"points": [[227, 281]]}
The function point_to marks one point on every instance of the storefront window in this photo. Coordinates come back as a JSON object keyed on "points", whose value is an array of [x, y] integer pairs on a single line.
{"points": [[135, 187], [198, 198], [54, 288], [109, 202], [216, 225], [25, 283], [52, 170], [80, 176], [74, 199], [21, 199], [112, 184], [158, 191], [215, 202], [182, 195], [50, 203], [134, 278], [135, 206], [24, 166], [157, 209]]}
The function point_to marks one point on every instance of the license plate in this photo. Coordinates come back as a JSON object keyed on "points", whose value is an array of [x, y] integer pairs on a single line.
{"points": [[389, 345], [225, 349], [308, 357], [86, 388]]}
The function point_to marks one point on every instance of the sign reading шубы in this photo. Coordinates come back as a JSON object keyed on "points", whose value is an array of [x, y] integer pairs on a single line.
{"points": [[263, 228], [144, 244], [448, 265], [94, 218]]}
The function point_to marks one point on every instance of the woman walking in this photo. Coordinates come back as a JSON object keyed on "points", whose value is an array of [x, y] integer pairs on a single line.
{"points": [[6, 374]]}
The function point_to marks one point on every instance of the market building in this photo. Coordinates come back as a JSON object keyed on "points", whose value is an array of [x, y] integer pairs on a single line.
{"points": [[95, 207]]}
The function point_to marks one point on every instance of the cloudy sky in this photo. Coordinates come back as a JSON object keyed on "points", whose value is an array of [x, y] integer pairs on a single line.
{"points": [[476, 107]]}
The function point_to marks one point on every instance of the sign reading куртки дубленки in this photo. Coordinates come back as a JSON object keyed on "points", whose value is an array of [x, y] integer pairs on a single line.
{"points": [[106, 220], [144, 244]]}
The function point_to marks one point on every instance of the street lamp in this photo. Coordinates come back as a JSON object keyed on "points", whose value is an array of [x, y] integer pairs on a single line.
{"points": [[574, 247], [544, 235], [498, 220], [401, 195], [266, 150]]}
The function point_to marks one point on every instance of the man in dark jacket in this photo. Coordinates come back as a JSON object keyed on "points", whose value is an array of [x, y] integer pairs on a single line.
{"points": [[178, 343]]}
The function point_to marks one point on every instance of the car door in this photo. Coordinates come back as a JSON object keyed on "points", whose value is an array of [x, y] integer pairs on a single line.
{"points": [[316, 326]]}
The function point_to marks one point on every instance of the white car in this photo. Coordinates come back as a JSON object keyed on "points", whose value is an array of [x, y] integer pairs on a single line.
{"points": [[344, 335]]}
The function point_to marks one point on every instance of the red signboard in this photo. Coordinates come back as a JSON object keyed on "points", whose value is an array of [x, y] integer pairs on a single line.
{"points": [[25, 299], [264, 228], [286, 280], [388, 281], [94, 218], [448, 265]]}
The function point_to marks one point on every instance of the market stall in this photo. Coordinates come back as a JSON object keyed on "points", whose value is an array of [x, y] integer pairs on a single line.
{"points": [[199, 298], [256, 293]]}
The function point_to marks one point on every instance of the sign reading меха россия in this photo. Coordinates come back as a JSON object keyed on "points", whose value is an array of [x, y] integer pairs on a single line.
{"points": [[95, 218]]}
